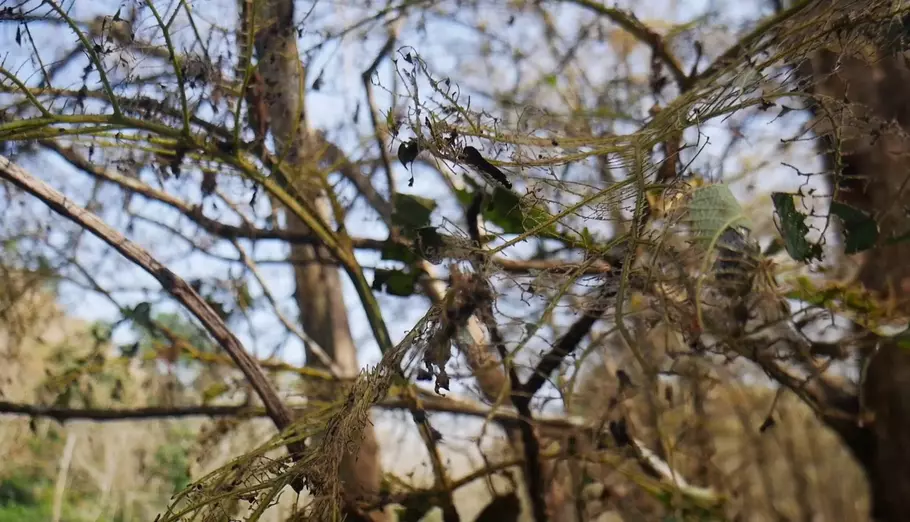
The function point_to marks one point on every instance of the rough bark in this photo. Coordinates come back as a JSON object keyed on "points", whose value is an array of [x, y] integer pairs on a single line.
{"points": [[866, 96], [318, 285]]}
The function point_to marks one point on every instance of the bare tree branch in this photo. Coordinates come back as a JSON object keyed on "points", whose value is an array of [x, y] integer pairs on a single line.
{"points": [[429, 402], [564, 346], [245, 231], [651, 38], [367, 79], [170, 281]]}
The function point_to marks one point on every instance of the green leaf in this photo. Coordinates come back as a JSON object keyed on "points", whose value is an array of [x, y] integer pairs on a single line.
{"points": [[411, 212], [390, 122], [141, 313], [45, 268], [504, 211], [793, 228], [182, 327], [101, 331], [9, 246], [243, 296], [860, 230], [712, 209], [507, 211], [392, 251], [395, 282], [587, 239], [430, 244], [129, 351], [214, 391], [464, 196]]}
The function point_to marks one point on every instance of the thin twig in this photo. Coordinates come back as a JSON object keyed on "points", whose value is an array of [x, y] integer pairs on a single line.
{"points": [[367, 78], [630, 23], [246, 231], [430, 402], [565, 346], [313, 346], [60, 487], [530, 443], [732, 54]]}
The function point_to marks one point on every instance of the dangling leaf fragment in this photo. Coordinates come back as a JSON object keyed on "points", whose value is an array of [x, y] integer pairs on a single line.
{"points": [[793, 229], [411, 212], [860, 230], [395, 282], [407, 152]]}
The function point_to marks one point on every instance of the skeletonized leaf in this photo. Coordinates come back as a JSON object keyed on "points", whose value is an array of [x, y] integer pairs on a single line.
{"points": [[713, 208]]}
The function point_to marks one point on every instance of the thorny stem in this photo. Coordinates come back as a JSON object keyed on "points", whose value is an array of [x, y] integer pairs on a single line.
{"points": [[367, 78], [632, 247], [90, 50], [176, 63]]}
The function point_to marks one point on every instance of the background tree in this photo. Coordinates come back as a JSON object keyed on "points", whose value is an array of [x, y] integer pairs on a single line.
{"points": [[579, 194], [868, 170]]}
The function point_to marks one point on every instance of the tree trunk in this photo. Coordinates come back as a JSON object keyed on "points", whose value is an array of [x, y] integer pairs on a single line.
{"points": [[865, 96], [318, 285]]}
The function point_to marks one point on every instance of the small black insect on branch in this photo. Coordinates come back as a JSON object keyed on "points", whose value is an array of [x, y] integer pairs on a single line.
{"points": [[473, 158]]}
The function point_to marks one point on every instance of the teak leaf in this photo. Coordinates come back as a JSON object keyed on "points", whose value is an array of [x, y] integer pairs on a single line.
{"points": [[411, 212], [860, 230], [395, 282], [793, 229], [514, 216]]}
